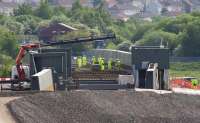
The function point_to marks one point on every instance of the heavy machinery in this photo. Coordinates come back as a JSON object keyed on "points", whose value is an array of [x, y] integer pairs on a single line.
{"points": [[20, 73]]}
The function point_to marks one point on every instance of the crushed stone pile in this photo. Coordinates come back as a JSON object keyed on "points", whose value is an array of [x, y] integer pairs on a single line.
{"points": [[106, 107], [16, 93]]}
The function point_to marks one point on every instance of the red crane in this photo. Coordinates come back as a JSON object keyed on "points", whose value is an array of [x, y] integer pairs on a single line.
{"points": [[21, 54]]}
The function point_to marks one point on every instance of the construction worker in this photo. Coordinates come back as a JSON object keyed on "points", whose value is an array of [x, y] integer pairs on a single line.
{"points": [[102, 64], [94, 60], [99, 60], [79, 62], [110, 64], [194, 82], [118, 63], [84, 60]]}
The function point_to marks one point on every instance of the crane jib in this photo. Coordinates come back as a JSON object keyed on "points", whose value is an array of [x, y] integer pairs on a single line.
{"points": [[80, 40]]}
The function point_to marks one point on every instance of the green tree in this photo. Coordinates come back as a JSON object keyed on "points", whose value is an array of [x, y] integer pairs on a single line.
{"points": [[44, 10], [111, 45], [59, 11], [174, 25], [155, 38], [60, 19], [124, 46], [30, 23], [190, 39], [8, 42], [76, 6], [6, 63], [103, 17], [141, 29], [14, 26], [23, 9], [92, 17], [5, 18]]}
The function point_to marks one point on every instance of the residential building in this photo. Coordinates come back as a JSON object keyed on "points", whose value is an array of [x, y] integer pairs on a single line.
{"points": [[69, 3], [120, 9], [7, 8]]}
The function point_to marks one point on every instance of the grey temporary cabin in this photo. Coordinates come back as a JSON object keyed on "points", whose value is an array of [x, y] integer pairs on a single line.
{"points": [[150, 66], [59, 60]]}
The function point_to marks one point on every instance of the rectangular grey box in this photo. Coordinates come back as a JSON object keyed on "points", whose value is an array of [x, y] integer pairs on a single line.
{"points": [[151, 55]]}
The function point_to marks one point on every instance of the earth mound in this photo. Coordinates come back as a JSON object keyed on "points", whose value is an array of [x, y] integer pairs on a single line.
{"points": [[106, 107]]}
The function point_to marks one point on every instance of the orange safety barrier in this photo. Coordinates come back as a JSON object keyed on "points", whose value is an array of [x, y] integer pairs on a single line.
{"points": [[181, 83], [5, 79]]}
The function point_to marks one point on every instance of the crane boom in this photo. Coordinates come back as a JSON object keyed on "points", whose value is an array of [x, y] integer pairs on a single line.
{"points": [[81, 40]]}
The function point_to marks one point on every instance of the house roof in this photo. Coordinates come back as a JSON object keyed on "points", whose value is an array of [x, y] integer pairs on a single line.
{"points": [[195, 2], [65, 3], [7, 5], [111, 3], [69, 3], [67, 27], [55, 29], [188, 2]]}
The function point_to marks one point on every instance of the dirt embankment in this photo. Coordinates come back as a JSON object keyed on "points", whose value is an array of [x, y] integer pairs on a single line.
{"points": [[106, 107], [5, 115], [18, 93]]}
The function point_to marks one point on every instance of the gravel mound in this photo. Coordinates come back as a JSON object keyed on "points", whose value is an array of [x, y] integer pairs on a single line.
{"points": [[17, 93], [106, 107]]}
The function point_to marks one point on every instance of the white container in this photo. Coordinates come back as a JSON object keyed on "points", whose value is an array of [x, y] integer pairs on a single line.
{"points": [[43, 80]]}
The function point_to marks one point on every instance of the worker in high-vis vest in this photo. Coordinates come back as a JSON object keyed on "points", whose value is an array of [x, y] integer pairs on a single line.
{"points": [[94, 61], [84, 60], [79, 62], [99, 60], [102, 64], [110, 64], [194, 82], [118, 64]]}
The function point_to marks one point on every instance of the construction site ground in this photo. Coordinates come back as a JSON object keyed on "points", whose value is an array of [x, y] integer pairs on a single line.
{"points": [[122, 106], [6, 97], [5, 115]]}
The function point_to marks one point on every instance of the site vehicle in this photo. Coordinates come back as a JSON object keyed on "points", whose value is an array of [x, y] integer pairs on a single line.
{"points": [[20, 73]]}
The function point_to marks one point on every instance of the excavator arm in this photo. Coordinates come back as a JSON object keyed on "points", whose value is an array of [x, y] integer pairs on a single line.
{"points": [[20, 56]]}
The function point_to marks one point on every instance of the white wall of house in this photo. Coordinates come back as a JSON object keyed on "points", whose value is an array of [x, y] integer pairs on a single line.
{"points": [[153, 7]]}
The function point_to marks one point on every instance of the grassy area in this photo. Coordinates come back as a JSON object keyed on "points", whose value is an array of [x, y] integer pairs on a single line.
{"points": [[181, 69]]}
